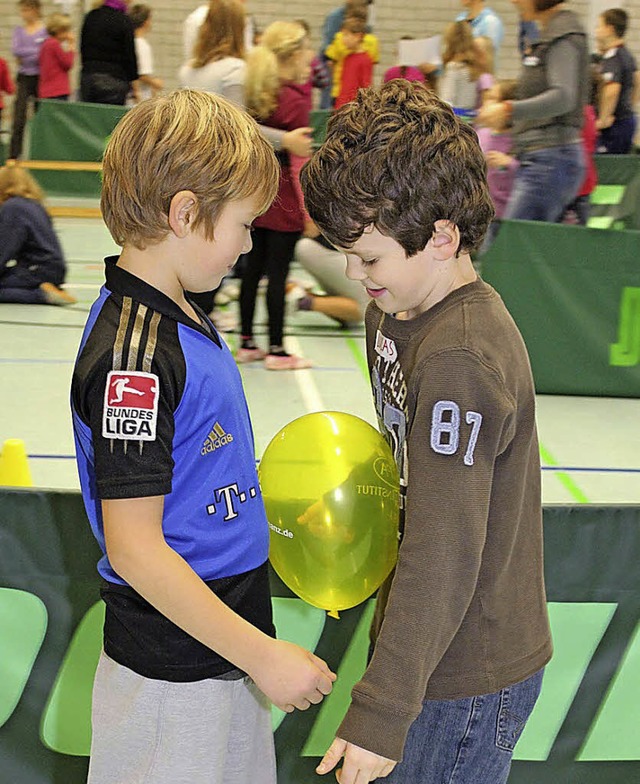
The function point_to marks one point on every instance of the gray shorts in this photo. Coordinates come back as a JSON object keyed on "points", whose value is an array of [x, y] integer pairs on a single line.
{"points": [[148, 731]]}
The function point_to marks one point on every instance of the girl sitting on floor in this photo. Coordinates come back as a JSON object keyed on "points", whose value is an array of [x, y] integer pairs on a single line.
{"points": [[32, 267]]}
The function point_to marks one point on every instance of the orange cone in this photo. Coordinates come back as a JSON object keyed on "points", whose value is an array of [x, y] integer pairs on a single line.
{"points": [[14, 466]]}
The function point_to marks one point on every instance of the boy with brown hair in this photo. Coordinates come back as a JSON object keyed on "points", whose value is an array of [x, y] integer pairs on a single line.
{"points": [[167, 466], [461, 632]]}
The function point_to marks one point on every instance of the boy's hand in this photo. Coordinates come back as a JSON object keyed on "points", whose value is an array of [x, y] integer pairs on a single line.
{"points": [[359, 766], [292, 677]]}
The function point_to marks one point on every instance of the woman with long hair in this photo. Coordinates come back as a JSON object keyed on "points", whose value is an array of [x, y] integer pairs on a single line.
{"points": [[217, 65]]}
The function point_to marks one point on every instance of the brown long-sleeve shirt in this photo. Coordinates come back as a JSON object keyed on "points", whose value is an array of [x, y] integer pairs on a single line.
{"points": [[465, 612]]}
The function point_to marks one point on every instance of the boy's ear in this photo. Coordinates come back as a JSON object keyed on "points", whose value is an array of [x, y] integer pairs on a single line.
{"points": [[445, 239], [182, 212]]}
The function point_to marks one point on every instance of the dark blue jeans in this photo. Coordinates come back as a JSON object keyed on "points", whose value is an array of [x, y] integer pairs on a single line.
{"points": [[618, 139], [467, 741], [546, 182]]}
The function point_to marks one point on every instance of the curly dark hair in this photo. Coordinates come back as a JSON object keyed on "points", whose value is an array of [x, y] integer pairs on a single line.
{"points": [[399, 159]]}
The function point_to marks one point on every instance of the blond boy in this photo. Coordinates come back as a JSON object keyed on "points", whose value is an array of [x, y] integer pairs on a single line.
{"points": [[166, 460]]}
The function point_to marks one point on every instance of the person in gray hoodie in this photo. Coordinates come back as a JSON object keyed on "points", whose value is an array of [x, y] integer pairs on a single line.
{"points": [[547, 114]]}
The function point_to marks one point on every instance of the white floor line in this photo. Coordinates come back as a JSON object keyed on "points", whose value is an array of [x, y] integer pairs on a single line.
{"points": [[308, 389]]}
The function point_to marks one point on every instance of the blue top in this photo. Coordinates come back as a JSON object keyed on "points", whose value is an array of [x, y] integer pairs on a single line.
{"points": [[159, 409], [486, 24], [27, 236]]}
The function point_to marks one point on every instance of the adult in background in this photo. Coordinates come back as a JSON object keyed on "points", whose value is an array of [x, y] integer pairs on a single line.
{"points": [[217, 63], [193, 23], [26, 43], [108, 54], [616, 120], [298, 141], [484, 22], [547, 116]]}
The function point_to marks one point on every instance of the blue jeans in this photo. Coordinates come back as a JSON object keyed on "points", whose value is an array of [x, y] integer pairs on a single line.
{"points": [[467, 741], [546, 182]]}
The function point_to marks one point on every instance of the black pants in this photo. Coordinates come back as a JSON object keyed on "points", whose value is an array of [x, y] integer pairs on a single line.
{"points": [[26, 87], [103, 88], [271, 256]]}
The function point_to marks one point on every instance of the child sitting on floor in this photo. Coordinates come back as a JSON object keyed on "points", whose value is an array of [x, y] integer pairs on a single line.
{"points": [[32, 267]]}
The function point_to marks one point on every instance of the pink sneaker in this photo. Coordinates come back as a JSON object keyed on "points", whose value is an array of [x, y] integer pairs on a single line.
{"points": [[288, 362], [249, 355]]}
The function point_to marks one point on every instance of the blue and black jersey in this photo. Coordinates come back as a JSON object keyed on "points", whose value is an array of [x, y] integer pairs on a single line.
{"points": [[159, 409]]}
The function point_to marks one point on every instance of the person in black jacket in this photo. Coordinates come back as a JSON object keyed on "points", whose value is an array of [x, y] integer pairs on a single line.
{"points": [[108, 54]]}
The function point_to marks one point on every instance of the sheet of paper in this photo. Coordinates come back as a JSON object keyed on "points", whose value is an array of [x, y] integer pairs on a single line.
{"points": [[420, 50]]}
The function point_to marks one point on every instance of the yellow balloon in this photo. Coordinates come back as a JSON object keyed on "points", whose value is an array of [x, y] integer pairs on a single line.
{"points": [[331, 488]]}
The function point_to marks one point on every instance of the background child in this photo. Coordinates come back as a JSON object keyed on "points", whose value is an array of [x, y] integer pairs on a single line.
{"points": [[56, 58], [486, 80], [357, 65], [176, 510], [410, 72], [497, 145], [579, 209], [147, 83], [464, 614], [462, 66], [337, 51], [6, 84], [343, 300], [277, 95], [28, 239]]}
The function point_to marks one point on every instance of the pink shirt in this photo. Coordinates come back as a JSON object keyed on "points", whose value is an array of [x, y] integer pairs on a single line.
{"points": [[408, 72]]}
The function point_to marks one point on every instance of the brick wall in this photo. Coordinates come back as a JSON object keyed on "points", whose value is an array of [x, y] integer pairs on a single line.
{"points": [[394, 18]]}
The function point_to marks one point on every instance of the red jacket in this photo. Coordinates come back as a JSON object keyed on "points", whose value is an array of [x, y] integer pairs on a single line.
{"points": [[55, 64], [287, 211], [589, 137], [6, 82], [357, 71]]}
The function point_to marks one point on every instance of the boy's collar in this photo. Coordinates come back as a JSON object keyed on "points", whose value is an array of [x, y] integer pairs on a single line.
{"points": [[126, 284]]}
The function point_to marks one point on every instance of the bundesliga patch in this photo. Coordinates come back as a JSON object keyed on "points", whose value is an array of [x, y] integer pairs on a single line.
{"points": [[131, 406]]}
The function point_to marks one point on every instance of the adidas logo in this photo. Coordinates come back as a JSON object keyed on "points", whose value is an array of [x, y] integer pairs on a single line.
{"points": [[216, 438]]}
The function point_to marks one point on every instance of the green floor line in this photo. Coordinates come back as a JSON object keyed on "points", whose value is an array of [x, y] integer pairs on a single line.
{"points": [[565, 480]]}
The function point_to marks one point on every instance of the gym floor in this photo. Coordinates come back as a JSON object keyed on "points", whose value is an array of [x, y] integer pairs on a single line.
{"points": [[590, 447]]}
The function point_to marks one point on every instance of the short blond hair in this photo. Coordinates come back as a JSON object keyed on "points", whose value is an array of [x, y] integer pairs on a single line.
{"points": [[58, 23], [186, 140], [16, 181]]}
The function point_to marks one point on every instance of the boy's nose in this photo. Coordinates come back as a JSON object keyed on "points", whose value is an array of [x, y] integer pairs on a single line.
{"points": [[354, 269]]}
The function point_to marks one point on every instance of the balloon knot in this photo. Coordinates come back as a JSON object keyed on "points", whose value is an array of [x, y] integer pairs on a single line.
{"points": [[333, 614]]}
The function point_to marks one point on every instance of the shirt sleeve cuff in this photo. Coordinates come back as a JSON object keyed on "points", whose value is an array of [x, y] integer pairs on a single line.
{"points": [[373, 727]]}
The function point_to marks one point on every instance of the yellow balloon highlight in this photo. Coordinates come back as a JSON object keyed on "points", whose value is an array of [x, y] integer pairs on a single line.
{"points": [[331, 488]]}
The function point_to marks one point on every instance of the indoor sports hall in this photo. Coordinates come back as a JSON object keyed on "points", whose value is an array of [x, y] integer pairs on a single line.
{"points": [[574, 293]]}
